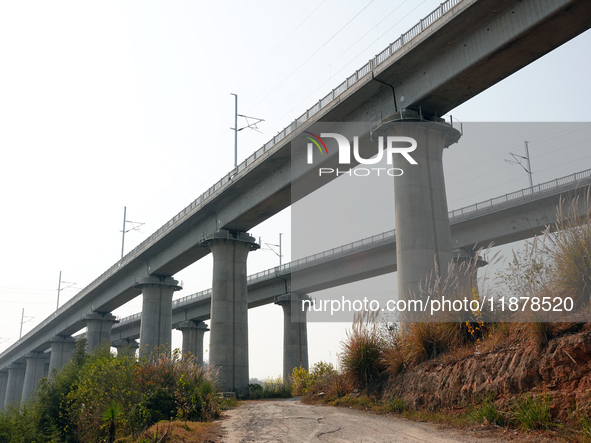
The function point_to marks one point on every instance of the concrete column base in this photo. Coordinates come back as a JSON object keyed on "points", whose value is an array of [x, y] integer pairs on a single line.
{"points": [[228, 349], [14, 385], [35, 366], [98, 329], [295, 333], [126, 347], [62, 349], [193, 331], [156, 323]]}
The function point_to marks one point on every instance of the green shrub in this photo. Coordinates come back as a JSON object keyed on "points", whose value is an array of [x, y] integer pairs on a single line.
{"points": [[99, 396], [102, 380], [156, 404], [195, 397], [271, 388], [255, 391], [300, 381], [321, 369], [20, 426]]}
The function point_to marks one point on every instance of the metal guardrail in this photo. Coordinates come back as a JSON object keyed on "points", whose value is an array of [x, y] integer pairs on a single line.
{"points": [[385, 237], [332, 96], [175, 303], [129, 319], [182, 300], [552, 184], [320, 257]]}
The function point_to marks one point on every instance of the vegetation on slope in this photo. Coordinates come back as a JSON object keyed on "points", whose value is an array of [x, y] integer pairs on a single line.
{"points": [[102, 397]]}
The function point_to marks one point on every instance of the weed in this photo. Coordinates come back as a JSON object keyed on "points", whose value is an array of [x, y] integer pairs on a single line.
{"points": [[532, 412], [397, 405], [585, 426], [487, 412], [337, 385]]}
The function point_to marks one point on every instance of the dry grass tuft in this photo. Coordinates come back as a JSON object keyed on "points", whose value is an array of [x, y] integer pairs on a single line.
{"points": [[362, 356], [569, 247], [177, 432]]}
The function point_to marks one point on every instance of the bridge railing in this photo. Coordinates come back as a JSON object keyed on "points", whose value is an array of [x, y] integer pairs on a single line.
{"points": [[201, 294], [552, 184], [335, 93], [130, 319], [277, 270], [320, 257]]}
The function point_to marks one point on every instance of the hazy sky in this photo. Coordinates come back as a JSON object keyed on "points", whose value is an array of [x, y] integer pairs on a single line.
{"points": [[111, 104]]}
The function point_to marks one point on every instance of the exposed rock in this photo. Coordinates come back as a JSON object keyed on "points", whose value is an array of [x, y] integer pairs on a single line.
{"points": [[562, 368]]}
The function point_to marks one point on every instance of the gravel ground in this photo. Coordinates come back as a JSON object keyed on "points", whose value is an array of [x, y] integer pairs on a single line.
{"points": [[292, 421]]}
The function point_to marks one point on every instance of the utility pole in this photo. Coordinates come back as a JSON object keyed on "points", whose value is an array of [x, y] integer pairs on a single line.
{"points": [[517, 161], [236, 129], [531, 182], [277, 246], [20, 335], [59, 288], [135, 226], [123, 237], [280, 254]]}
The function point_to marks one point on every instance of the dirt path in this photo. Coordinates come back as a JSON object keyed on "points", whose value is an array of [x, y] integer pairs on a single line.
{"points": [[292, 421]]}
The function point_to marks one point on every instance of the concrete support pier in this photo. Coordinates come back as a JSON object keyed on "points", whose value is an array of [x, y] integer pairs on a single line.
{"points": [[228, 349], [126, 346], [156, 324], [98, 329], [14, 386], [34, 371], [62, 349], [3, 387], [193, 331], [295, 333], [423, 237]]}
